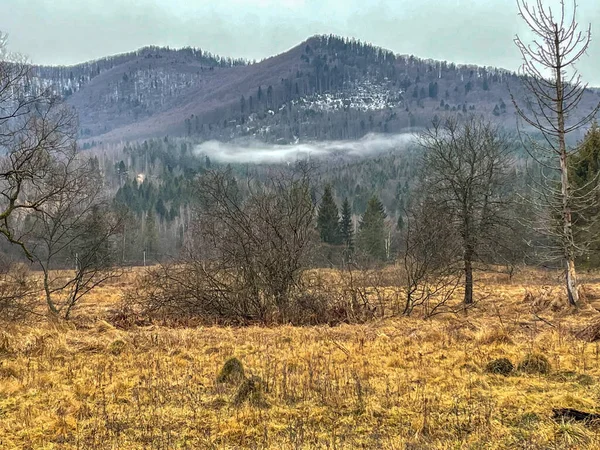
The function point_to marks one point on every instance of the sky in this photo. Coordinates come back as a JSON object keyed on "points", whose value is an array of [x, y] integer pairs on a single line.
{"points": [[462, 31]]}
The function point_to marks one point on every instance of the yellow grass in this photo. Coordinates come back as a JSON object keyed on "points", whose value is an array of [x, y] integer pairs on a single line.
{"points": [[392, 384]]}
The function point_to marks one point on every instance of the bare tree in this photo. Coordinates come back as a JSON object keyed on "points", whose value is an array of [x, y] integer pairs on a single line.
{"points": [[465, 166], [248, 252], [37, 150], [554, 90], [431, 257], [73, 240]]}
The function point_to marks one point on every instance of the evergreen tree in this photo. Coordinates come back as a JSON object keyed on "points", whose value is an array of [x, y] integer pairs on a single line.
{"points": [[150, 235], [584, 173], [346, 227], [371, 233], [400, 223], [328, 218]]}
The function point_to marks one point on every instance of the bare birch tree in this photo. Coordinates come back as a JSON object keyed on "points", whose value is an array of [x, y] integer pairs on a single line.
{"points": [[553, 93]]}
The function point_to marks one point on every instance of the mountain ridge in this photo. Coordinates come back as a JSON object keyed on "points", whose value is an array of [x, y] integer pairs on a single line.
{"points": [[326, 87]]}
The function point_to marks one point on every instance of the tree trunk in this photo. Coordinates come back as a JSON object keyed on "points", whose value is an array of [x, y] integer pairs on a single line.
{"points": [[572, 291], [52, 310], [567, 238], [468, 260]]}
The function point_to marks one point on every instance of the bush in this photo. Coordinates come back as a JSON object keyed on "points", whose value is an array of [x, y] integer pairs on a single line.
{"points": [[181, 293], [116, 347], [18, 292], [535, 363], [251, 391], [500, 366], [232, 372]]}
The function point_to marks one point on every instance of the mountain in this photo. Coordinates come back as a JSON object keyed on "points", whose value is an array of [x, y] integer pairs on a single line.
{"points": [[325, 88]]}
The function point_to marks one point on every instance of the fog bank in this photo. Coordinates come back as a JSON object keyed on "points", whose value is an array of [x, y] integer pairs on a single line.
{"points": [[256, 152]]}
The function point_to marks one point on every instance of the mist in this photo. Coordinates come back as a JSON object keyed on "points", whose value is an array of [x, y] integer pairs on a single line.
{"points": [[256, 152]]}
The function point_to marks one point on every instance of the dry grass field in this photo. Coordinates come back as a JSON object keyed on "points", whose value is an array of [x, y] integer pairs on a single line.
{"points": [[399, 383]]}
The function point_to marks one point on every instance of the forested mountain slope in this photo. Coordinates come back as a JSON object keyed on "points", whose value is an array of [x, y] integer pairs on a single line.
{"points": [[324, 88]]}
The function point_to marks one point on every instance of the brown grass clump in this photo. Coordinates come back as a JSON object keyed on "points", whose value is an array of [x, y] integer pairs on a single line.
{"points": [[589, 333], [251, 391], [535, 363], [500, 366], [116, 347], [495, 336], [232, 372]]}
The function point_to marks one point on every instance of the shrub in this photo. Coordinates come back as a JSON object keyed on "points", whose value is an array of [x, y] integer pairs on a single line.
{"points": [[116, 347], [251, 390], [18, 292], [535, 363], [232, 372], [500, 366]]}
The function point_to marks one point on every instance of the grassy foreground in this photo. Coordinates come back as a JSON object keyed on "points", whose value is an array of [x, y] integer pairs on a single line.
{"points": [[392, 384]]}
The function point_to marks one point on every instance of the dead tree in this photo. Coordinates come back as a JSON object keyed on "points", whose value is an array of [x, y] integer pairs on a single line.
{"points": [[465, 170], [553, 91], [37, 150], [73, 240]]}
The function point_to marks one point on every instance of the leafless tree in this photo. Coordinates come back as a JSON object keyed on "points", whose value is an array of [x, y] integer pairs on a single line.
{"points": [[430, 257], [72, 239], [553, 92], [465, 168], [37, 150], [248, 252]]}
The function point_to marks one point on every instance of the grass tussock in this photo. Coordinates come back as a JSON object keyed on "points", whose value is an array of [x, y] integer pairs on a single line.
{"points": [[535, 364], [500, 366], [386, 384]]}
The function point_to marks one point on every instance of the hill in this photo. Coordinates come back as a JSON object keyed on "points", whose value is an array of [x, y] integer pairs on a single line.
{"points": [[325, 88]]}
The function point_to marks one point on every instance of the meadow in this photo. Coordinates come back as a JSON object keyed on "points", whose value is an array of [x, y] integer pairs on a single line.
{"points": [[393, 383]]}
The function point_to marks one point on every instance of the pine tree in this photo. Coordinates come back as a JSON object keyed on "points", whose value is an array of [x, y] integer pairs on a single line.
{"points": [[346, 227], [150, 235], [328, 218], [371, 233], [584, 173]]}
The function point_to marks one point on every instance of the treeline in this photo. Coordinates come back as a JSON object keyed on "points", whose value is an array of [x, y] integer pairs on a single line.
{"points": [[67, 80], [236, 244], [240, 248], [253, 242]]}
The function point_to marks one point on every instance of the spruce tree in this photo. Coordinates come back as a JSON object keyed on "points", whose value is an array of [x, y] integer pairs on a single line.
{"points": [[328, 218], [371, 233], [150, 235], [346, 228], [584, 173]]}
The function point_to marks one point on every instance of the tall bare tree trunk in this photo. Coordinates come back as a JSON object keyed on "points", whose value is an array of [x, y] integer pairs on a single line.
{"points": [[551, 107], [568, 241]]}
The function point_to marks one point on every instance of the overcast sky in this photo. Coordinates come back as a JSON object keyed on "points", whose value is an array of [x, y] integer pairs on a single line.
{"points": [[462, 31]]}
